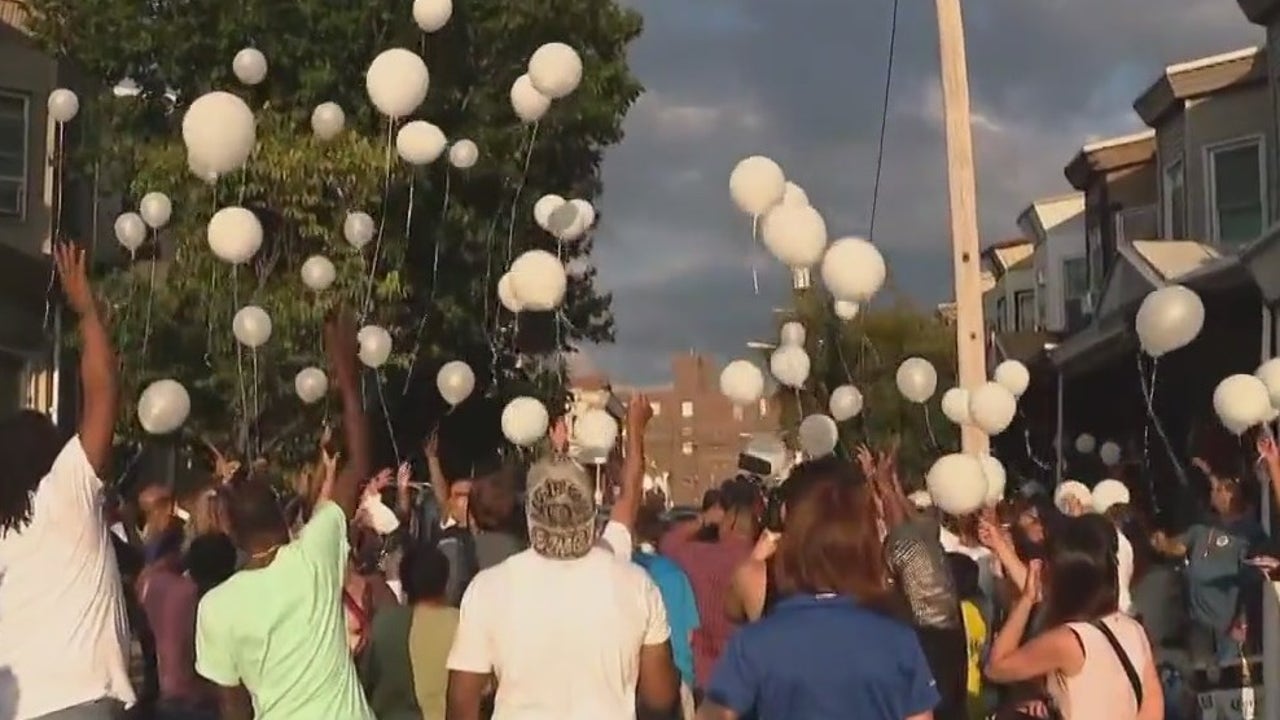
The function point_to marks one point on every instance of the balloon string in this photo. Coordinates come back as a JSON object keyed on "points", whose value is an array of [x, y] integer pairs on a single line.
{"points": [[367, 306], [1148, 395], [244, 394], [755, 263], [485, 299], [515, 201], [211, 311], [254, 429], [57, 224], [151, 291], [435, 275], [386, 415], [928, 426]]}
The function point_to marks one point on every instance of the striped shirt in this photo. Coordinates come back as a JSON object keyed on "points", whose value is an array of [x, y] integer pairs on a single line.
{"points": [[710, 567]]}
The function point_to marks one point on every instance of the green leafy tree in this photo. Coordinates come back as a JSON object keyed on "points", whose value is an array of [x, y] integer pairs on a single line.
{"points": [[318, 51], [866, 352]]}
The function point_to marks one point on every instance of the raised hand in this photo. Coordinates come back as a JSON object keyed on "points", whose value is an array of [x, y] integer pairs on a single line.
{"points": [[70, 261], [223, 469], [639, 413], [559, 436], [403, 475], [1267, 449]]}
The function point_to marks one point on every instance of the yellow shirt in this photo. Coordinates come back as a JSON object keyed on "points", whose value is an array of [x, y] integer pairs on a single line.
{"points": [[975, 632]]}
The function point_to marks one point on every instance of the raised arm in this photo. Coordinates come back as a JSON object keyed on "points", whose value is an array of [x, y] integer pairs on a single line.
{"points": [[97, 359], [340, 346], [435, 473], [627, 506]]}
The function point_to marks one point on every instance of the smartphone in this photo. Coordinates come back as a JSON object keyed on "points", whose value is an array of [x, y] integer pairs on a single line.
{"points": [[616, 407], [754, 465]]}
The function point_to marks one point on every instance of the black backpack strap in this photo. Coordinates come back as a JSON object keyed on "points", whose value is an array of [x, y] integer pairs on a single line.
{"points": [[1134, 679]]}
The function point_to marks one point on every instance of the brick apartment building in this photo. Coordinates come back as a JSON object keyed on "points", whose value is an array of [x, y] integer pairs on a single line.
{"points": [[696, 433]]}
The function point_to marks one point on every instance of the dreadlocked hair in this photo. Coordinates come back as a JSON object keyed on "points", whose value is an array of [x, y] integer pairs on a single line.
{"points": [[29, 442]]}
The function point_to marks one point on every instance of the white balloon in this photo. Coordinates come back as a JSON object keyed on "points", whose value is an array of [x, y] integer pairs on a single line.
{"points": [[163, 406], [131, 231], [1109, 453], [524, 421], [957, 484], [1168, 319], [795, 234], [993, 472], [318, 273], [955, 405], [528, 104], [358, 229], [375, 345], [311, 384], [586, 213], [1108, 494], [566, 222], [539, 280], [793, 194], [463, 154], [507, 294], [234, 235], [917, 380], [595, 432], [793, 334], [790, 365], [327, 120], [757, 184], [555, 70], [156, 209], [63, 105], [251, 326], [1086, 444], [742, 382], [1241, 402], [220, 132], [397, 82], [846, 309], [420, 143], [845, 403], [853, 269], [1269, 373], [543, 209], [1014, 376], [455, 381], [201, 170], [818, 435], [992, 407], [431, 15], [249, 66], [1072, 489]]}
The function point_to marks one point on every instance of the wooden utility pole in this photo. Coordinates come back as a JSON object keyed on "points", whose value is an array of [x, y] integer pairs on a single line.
{"points": [[971, 352]]}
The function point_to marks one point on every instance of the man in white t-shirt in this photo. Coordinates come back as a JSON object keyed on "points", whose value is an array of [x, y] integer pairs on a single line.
{"points": [[64, 632], [569, 632]]}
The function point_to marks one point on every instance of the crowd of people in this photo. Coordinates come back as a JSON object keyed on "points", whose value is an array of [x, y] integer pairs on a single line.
{"points": [[516, 596]]}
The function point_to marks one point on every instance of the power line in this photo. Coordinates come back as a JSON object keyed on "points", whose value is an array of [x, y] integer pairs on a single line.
{"points": [[888, 85]]}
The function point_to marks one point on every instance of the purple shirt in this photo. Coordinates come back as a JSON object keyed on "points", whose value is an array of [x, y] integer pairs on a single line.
{"points": [[170, 600]]}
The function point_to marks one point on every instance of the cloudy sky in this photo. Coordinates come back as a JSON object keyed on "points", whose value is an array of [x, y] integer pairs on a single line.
{"points": [[802, 82]]}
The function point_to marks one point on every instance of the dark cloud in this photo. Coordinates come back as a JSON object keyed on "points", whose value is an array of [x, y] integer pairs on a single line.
{"points": [[802, 82]]}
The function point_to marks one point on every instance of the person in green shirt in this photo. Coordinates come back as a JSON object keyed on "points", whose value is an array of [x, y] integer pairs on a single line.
{"points": [[272, 638], [403, 669]]}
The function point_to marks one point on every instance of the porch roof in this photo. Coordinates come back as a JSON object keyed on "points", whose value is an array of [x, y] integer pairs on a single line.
{"points": [[1143, 266]]}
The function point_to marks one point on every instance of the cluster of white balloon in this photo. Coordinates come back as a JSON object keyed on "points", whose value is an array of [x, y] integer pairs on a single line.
{"points": [[959, 483], [1108, 452], [538, 280], [1105, 495], [1246, 401]]}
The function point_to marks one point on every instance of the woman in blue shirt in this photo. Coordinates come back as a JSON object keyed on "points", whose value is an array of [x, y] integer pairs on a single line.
{"points": [[827, 650]]}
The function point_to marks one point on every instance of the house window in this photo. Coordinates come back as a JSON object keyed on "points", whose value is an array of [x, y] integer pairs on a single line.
{"points": [[1075, 286], [686, 409], [1000, 316], [1024, 310], [1236, 185], [686, 448], [1136, 223], [656, 408], [737, 413], [14, 125], [1175, 201], [1096, 266], [764, 407]]}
